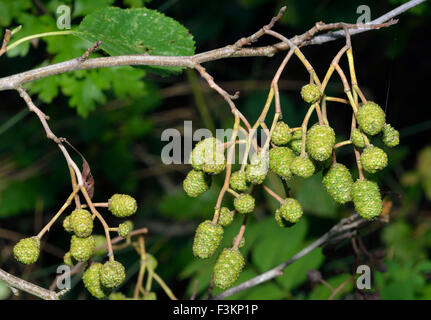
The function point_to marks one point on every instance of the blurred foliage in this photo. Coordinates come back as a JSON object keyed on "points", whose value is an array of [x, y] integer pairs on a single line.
{"points": [[115, 116]]}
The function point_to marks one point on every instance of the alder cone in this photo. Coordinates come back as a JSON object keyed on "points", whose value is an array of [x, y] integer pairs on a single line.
{"points": [[244, 203], [238, 181], [27, 250], [281, 134], [371, 118], [196, 183], [320, 142], [91, 279], [228, 268], [373, 159], [367, 199], [207, 239], [338, 182]]}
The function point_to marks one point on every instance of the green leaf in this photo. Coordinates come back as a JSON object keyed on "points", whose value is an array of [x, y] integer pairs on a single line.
{"points": [[137, 31], [314, 198], [180, 206], [31, 24], [84, 93], [11, 9], [296, 273], [280, 246]]}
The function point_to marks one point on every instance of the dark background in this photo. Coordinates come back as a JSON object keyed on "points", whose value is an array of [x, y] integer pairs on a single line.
{"points": [[120, 139]]}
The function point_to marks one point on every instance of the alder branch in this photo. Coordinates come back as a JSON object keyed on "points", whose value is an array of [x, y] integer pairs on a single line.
{"points": [[230, 51], [23, 285], [344, 226]]}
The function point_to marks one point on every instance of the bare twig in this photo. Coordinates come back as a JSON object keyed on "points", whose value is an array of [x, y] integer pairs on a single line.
{"points": [[23, 285], [345, 225], [230, 51], [6, 39]]}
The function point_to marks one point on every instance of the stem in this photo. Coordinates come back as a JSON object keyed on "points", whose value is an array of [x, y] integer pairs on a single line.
{"points": [[102, 221], [58, 214], [273, 194], [200, 100], [342, 143], [304, 127], [167, 290], [225, 187], [38, 35], [241, 232]]}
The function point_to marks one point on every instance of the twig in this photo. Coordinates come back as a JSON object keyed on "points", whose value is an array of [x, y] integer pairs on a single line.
{"points": [[345, 225], [23, 285], [6, 39], [230, 51]]}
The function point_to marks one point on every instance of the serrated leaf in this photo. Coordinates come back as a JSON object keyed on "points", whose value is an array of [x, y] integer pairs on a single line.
{"points": [[84, 93], [137, 31]]}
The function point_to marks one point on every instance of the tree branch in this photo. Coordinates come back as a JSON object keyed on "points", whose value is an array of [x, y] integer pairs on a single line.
{"points": [[230, 51], [23, 285], [345, 225]]}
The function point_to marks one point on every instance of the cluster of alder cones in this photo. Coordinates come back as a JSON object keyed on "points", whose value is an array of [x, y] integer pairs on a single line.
{"points": [[99, 279], [287, 158]]}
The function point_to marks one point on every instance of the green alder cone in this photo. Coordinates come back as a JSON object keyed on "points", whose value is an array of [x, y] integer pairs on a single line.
{"points": [[310, 93], [82, 249], [225, 217], [151, 261], [124, 229], [244, 203], [196, 183], [68, 259], [81, 223], [228, 267], [66, 224], [373, 159], [338, 182], [214, 164], [302, 167], [280, 160], [208, 156], [122, 205], [357, 138], [289, 213], [367, 199], [258, 168], [91, 279], [117, 296], [371, 118], [255, 174], [112, 274], [320, 142], [207, 239], [27, 250], [296, 143], [391, 136], [238, 181], [281, 134]]}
